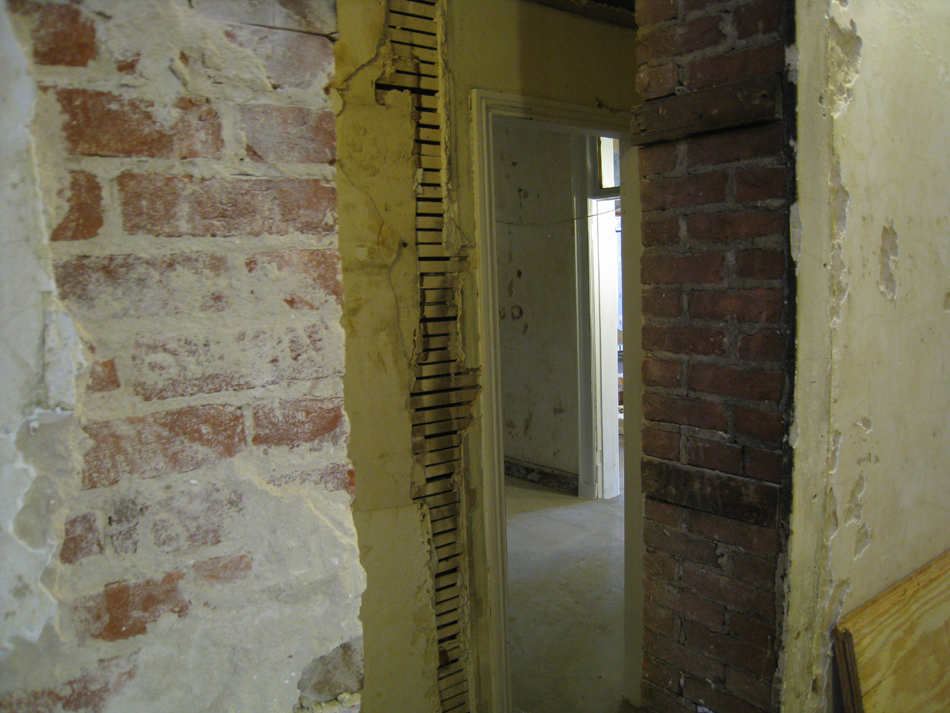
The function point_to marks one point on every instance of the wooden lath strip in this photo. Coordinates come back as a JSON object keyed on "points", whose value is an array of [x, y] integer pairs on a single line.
{"points": [[412, 23], [435, 486], [412, 7], [443, 390]]}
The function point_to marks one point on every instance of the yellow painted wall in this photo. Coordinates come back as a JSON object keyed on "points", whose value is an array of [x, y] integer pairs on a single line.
{"points": [[872, 433], [502, 45]]}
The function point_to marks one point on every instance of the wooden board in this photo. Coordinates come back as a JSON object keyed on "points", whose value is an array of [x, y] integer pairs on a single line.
{"points": [[893, 653]]}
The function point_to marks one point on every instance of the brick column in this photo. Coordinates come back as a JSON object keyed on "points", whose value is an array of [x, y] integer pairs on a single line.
{"points": [[717, 332]]}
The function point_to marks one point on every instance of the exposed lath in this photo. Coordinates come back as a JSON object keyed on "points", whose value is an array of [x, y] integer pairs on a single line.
{"points": [[443, 390]]}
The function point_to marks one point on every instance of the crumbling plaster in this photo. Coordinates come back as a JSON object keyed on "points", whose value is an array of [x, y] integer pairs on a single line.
{"points": [[241, 647], [376, 180], [871, 438]]}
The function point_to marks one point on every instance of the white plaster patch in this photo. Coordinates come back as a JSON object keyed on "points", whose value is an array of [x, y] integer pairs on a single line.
{"points": [[795, 233], [63, 359], [845, 56], [25, 606]]}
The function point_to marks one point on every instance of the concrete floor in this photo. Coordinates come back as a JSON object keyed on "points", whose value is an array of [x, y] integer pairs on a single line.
{"points": [[565, 594]]}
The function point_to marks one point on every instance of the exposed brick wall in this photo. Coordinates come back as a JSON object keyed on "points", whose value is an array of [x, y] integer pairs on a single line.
{"points": [[193, 242], [717, 334]]}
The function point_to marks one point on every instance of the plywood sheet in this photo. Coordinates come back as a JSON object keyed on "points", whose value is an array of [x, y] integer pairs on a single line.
{"points": [[894, 652]]}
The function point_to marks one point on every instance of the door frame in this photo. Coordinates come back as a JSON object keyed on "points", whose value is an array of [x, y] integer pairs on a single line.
{"points": [[494, 679]]}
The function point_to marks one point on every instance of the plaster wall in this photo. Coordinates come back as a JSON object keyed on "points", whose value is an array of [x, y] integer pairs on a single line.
{"points": [[537, 294], [142, 571], [871, 434], [376, 184]]}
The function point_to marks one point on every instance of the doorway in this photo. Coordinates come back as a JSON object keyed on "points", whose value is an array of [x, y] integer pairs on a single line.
{"points": [[559, 424]]}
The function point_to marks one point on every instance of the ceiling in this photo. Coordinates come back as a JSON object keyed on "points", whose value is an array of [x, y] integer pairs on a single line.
{"points": [[615, 12]]}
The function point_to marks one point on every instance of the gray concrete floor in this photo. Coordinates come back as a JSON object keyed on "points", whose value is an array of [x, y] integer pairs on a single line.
{"points": [[565, 594]]}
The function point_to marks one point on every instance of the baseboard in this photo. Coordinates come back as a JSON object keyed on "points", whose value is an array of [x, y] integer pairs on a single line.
{"points": [[548, 477]]}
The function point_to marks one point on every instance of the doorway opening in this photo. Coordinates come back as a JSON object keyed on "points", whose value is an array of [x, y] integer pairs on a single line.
{"points": [[551, 304]]}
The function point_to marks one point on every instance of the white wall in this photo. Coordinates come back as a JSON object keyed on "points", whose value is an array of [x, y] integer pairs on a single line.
{"points": [[872, 431], [537, 294]]}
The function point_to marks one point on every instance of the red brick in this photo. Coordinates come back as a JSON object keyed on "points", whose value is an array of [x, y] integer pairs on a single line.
{"points": [[103, 376], [729, 226], [761, 184], [679, 544], [710, 491], [661, 444], [750, 688], [288, 134], [662, 512], [759, 18], [88, 692], [301, 279], [124, 519], [128, 66], [193, 518], [333, 477], [752, 305], [764, 465], [173, 206], [174, 365], [761, 264], [693, 190], [300, 422], [125, 609], [665, 231], [660, 158], [737, 145], [659, 620], [681, 38], [81, 539], [732, 652], [680, 657], [660, 372], [116, 286], [649, 12], [762, 540], [222, 570], [659, 565], [700, 268], [736, 382], [683, 339], [160, 443], [767, 345], [657, 700], [83, 218], [763, 425], [715, 456], [685, 603], [687, 412], [106, 124], [703, 694], [752, 631], [656, 82], [757, 571], [63, 36], [738, 65], [661, 302], [661, 674], [291, 60]]}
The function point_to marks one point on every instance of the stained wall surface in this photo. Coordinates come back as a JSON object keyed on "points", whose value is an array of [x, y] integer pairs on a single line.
{"points": [[872, 439], [176, 514], [537, 295]]}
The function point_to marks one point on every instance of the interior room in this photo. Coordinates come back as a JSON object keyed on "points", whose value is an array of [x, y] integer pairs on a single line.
{"points": [[257, 345]]}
